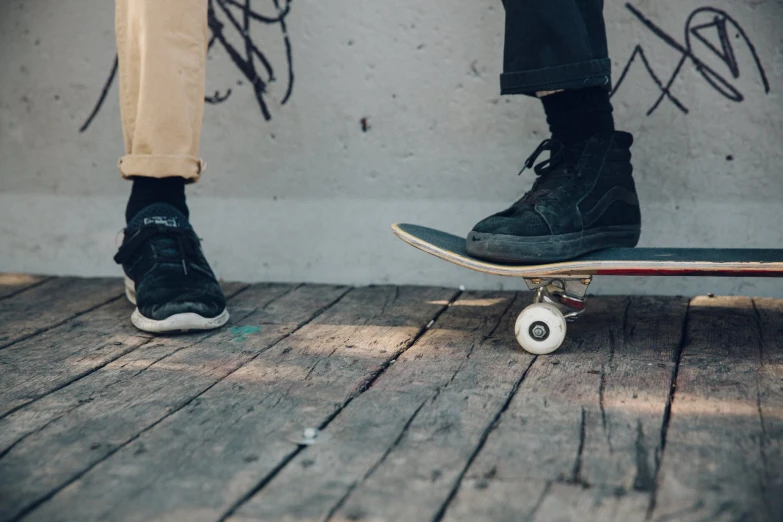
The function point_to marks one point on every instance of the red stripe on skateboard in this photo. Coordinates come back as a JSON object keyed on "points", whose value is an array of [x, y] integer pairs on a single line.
{"points": [[686, 272]]}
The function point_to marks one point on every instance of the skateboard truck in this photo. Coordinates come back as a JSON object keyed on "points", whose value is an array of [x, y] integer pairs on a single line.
{"points": [[541, 327], [567, 294]]}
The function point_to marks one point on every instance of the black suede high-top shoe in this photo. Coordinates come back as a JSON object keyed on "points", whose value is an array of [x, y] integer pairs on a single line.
{"points": [[583, 200]]}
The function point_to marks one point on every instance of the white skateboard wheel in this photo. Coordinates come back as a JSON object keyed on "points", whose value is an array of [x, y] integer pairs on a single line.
{"points": [[540, 328]]}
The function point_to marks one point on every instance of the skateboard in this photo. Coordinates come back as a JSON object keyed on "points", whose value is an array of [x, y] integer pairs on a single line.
{"points": [[561, 288]]}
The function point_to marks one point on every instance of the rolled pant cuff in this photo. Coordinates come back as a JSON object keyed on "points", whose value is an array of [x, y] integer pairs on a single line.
{"points": [[157, 166], [594, 73]]}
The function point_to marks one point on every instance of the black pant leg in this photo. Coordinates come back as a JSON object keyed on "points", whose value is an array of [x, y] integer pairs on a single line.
{"points": [[554, 44]]}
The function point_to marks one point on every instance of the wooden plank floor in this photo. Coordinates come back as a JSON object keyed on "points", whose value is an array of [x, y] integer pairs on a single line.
{"points": [[655, 409]]}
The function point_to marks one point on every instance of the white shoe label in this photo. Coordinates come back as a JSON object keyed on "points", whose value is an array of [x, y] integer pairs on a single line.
{"points": [[168, 222]]}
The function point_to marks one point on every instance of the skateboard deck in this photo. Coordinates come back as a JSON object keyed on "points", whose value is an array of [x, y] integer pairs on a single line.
{"points": [[727, 262]]}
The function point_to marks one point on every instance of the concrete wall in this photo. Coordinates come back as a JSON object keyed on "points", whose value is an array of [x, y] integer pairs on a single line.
{"points": [[309, 194]]}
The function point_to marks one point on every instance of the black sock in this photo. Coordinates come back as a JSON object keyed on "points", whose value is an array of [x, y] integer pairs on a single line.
{"points": [[576, 115], [147, 191]]}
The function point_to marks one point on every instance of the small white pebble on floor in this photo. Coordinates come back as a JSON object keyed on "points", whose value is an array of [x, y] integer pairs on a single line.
{"points": [[461, 288], [310, 433]]}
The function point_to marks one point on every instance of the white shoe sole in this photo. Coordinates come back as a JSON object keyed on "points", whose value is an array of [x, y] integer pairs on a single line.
{"points": [[177, 323]]}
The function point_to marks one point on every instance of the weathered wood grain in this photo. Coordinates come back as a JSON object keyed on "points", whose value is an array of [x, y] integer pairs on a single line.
{"points": [[180, 368], [498, 500], [425, 414], [34, 367], [571, 502], [714, 463], [536, 501], [453, 422], [623, 442], [12, 284], [770, 312], [542, 434], [588, 415], [236, 434], [51, 304]]}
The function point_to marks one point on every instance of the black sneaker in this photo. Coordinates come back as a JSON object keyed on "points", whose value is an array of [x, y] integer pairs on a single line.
{"points": [[583, 200], [167, 276]]}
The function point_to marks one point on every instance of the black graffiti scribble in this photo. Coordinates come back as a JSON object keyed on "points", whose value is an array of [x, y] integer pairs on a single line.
{"points": [[720, 22], [239, 17]]}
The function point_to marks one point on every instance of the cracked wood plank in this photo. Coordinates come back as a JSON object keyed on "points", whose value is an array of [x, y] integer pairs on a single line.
{"points": [[715, 463], [12, 284], [412, 433], [52, 303], [568, 502], [139, 392], [622, 447], [34, 367], [201, 461], [770, 400], [588, 415], [497, 499]]}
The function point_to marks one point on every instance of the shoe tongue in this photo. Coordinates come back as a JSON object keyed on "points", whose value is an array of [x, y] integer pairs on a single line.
{"points": [[160, 214], [558, 172]]}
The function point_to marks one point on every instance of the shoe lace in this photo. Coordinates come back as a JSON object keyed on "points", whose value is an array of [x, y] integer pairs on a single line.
{"points": [[185, 243], [560, 165]]}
